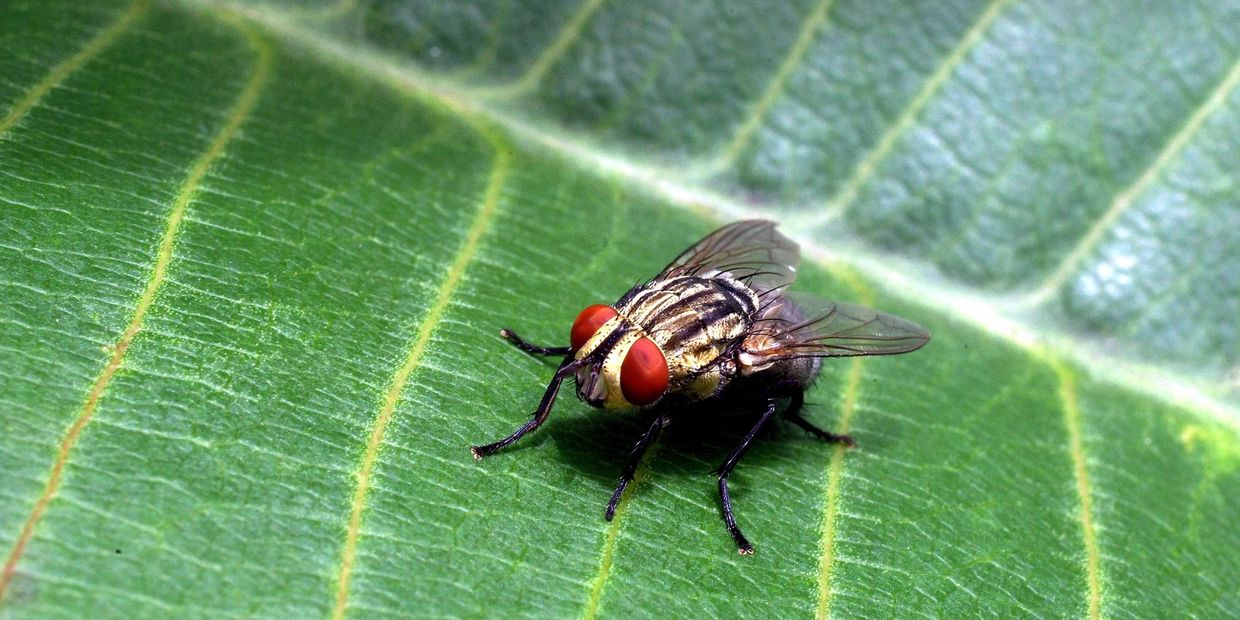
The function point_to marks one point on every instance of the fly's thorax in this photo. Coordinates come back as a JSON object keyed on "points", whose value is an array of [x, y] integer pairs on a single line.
{"points": [[693, 320]]}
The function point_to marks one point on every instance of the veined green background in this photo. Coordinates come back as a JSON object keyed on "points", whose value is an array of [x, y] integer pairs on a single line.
{"points": [[253, 261]]}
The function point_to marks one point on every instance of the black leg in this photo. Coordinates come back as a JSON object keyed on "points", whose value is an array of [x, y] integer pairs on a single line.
{"points": [[796, 403], [794, 415], [532, 349], [567, 368], [635, 459], [742, 544]]}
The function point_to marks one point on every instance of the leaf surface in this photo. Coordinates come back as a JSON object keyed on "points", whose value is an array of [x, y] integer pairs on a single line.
{"points": [[254, 265]]}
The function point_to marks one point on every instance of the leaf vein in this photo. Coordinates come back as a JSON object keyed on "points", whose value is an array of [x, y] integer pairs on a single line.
{"points": [[830, 504], [609, 541], [66, 68], [560, 46], [237, 115], [779, 82], [1124, 200], [469, 247], [843, 199], [1072, 419]]}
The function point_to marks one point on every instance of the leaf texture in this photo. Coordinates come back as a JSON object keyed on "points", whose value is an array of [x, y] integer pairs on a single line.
{"points": [[255, 259]]}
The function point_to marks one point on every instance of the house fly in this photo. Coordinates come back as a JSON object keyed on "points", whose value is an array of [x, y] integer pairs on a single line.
{"points": [[716, 326]]}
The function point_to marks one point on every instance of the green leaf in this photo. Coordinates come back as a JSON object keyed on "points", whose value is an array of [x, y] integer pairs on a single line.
{"points": [[254, 265]]}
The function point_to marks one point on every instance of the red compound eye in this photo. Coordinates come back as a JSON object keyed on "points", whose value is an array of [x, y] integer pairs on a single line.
{"points": [[588, 322], [643, 375]]}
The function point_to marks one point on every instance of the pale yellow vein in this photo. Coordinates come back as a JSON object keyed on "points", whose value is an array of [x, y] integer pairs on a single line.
{"points": [[237, 115], [831, 498], [482, 222], [777, 84], [1072, 419], [835, 467], [838, 203], [607, 557], [560, 46], [66, 68], [994, 315], [1125, 199]]}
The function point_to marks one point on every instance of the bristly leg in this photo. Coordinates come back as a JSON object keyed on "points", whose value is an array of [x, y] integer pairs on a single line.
{"points": [[793, 413], [742, 544], [635, 459], [531, 348], [567, 368]]}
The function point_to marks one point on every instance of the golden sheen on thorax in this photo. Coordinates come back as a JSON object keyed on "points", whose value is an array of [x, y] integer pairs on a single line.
{"points": [[717, 325]]}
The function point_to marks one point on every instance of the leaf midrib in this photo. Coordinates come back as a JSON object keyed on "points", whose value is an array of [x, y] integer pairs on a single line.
{"points": [[1005, 317], [470, 244]]}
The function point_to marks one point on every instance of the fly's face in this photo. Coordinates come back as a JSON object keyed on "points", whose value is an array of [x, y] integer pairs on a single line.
{"points": [[623, 367]]}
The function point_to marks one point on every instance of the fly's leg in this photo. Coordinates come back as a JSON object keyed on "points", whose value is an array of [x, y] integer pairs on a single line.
{"points": [[742, 544], [794, 415], [567, 368], [635, 459], [530, 348]]}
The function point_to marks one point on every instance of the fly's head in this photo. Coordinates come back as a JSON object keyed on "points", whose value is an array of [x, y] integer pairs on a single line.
{"points": [[625, 368]]}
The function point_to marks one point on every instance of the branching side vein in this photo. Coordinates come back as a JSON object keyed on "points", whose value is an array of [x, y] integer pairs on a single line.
{"points": [[58, 74], [237, 115], [482, 222]]}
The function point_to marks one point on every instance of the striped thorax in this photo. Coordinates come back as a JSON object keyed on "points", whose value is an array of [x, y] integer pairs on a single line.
{"points": [[692, 320]]}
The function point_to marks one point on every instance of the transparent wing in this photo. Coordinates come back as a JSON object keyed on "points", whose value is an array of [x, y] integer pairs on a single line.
{"points": [[752, 251], [796, 325]]}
